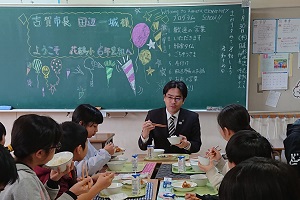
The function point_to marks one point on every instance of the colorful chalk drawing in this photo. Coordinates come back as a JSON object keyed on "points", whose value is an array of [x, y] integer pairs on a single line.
{"points": [[140, 34], [37, 65], [145, 58], [109, 67], [45, 71], [129, 71], [90, 64]]}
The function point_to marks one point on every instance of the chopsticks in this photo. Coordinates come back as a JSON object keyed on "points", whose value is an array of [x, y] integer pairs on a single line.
{"points": [[84, 173], [159, 125], [208, 154]]}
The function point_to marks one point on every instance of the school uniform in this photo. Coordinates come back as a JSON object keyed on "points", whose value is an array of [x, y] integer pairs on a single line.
{"points": [[95, 159]]}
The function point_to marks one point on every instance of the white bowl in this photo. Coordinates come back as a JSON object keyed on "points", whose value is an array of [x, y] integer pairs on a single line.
{"points": [[119, 159], [114, 188], [177, 185], [195, 167], [61, 160], [203, 160], [116, 165], [174, 140], [128, 184], [156, 152], [200, 179]]}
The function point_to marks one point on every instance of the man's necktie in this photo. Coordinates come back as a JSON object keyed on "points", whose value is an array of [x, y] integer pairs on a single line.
{"points": [[172, 125]]}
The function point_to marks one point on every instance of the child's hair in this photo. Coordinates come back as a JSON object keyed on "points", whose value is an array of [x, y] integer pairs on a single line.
{"points": [[87, 114], [32, 132], [234, 117], [2, 130], [8, 174], [73, 135], [260, 179], [247, 144]]}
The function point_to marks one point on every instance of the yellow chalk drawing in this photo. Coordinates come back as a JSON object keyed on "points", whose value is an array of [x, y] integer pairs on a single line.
{"points": [[145, 56], [45, 71], [150, 71]]}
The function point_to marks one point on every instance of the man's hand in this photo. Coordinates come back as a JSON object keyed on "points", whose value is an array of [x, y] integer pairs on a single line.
{"points": [[147, 127], [183, 142]]}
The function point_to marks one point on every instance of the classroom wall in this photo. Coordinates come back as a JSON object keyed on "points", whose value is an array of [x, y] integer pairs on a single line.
{"points": [[286, 103], [128, 128]]}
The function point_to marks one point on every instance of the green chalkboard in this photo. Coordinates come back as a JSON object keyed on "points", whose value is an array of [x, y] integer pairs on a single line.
{"points": [[121, 57]]}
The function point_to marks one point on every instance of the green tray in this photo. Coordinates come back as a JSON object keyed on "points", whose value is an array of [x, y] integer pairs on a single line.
{"points": [[128, 192], [128, 168], [208, 189], [187, 171], [169, 157]]}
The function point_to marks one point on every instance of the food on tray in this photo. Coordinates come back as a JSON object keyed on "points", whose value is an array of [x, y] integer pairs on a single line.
{"points": [[186, 185], [118, 149], [166, 156]]}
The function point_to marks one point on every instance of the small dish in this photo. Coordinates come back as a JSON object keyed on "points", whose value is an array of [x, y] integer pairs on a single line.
{"points": [[178, 186], [114, 188]]}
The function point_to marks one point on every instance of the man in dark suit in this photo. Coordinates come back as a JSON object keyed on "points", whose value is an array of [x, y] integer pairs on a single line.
{"points": [[179, 121]]}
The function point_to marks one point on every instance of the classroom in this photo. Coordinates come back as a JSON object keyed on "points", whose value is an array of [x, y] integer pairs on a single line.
{"points": [[270, 115]]}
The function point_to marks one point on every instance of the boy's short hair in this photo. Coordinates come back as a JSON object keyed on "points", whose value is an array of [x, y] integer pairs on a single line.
{"points": [[8, 174], [246, 144], [87, 114], [73, 135]]}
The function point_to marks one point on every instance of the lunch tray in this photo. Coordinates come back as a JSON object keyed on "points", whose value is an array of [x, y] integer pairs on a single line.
{"points": [[169, 157], [208, 189], [128, 168]]}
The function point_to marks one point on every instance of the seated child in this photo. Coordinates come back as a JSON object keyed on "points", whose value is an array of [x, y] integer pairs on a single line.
{"points": [[241, 146], [90, 117], [74, 139]]}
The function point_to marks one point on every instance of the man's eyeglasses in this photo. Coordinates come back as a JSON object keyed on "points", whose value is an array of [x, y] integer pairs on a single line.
{"points": [[176, 99]]}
